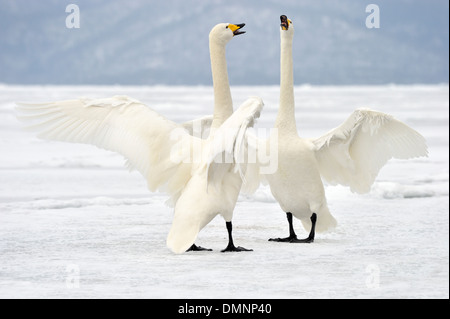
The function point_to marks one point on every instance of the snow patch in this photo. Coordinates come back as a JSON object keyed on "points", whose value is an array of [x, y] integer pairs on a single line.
{"points": [[64, 205], [78, 203], [392, 190]]}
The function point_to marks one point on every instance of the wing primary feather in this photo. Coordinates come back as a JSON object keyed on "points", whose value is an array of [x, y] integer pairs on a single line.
{"points": [[119, 124], [353, 153]]}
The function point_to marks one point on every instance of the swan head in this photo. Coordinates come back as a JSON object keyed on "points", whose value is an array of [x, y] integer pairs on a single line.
{"points": [[287, 27], [222, 33]]}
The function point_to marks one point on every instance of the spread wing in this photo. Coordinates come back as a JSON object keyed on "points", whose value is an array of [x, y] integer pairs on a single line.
{"points": [[228, 148], [119, 124], [353, 153], [199, 127]]}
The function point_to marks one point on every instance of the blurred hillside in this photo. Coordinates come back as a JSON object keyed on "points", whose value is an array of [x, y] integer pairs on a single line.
{"points": [[166, 42]]}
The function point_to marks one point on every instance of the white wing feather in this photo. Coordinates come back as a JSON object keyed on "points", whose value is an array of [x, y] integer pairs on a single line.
{"points": [[199, 127], [255, 168], [353, 153], [228, 145], [119, 124]]}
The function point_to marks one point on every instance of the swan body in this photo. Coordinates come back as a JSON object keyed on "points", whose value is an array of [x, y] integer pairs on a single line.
{"points": [[215, 185], [351, 154], [298, 187], [156, 146]]}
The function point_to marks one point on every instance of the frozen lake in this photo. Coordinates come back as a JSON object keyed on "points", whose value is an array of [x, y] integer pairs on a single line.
{"points": [[74, 223]]}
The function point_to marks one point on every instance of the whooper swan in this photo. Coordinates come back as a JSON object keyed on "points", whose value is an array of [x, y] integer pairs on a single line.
{"points": [[351, 154], [156, 146]]}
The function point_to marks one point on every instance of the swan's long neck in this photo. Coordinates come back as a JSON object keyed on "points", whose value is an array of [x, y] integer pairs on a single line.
{"points": [[223, 103], [285, 122]]}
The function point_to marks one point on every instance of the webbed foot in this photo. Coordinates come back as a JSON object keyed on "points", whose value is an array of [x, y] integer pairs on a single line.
{"points": [[194, 247]]}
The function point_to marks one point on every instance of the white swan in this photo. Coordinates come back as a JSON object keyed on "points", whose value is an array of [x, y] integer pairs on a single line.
{"points": [[219, 37], [156, 147], [351, 154]]}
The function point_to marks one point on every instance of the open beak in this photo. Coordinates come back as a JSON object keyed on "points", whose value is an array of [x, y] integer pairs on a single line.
{"points": [[284, 22], [236, 28]]}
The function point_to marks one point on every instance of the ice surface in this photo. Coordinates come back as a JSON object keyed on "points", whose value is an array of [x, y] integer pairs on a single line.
{"points": [[74, 223]]}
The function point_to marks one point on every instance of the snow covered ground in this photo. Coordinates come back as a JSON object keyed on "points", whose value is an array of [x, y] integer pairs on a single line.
{"points": [[74, 223]]}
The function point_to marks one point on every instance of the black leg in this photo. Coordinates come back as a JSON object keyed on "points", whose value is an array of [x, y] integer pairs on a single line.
{"points": [[194, 247], [231, 246], [312, 233], [292, 234], [293, 237]]}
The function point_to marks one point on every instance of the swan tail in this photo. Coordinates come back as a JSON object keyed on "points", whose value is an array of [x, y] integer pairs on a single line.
{"points": [[180, 239], [182, 234], [325, 221], [186, 224]]}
